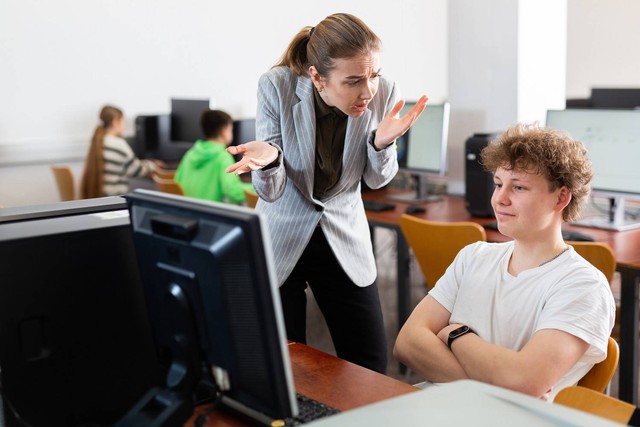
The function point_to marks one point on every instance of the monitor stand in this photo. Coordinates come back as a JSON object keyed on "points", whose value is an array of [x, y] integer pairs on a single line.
{"points": [[615, 221], [421, 193]]}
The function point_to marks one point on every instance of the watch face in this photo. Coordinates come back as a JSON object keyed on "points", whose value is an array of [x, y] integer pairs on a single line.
{"points": [[458, 332]]}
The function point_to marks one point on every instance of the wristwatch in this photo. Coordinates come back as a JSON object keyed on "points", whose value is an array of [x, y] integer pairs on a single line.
{"points": [[457, 333]]}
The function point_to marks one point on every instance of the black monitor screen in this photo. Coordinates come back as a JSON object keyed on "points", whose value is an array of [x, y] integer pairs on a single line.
{"points": [[207, 276], [614, 98], [76, 346], [244, 130], [185, 119]]}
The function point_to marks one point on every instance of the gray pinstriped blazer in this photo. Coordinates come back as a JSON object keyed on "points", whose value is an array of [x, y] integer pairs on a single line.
{"points": [[286, 119]]}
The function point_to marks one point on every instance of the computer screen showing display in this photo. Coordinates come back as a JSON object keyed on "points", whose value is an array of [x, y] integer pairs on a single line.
{"points": [[185, 119], [612, 139], [422, 151], [213, 302], [76, 346]]}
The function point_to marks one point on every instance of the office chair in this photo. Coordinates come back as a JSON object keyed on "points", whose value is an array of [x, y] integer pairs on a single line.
{"points": [[165, 173], [252, 198], [598, 378], [65, 182], [167, 185], [601, 256], [435, 244], [599, 404]]}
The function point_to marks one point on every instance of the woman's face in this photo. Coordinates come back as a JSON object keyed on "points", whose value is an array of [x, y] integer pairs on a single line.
{"points": [[351, 85], [118, 125]]}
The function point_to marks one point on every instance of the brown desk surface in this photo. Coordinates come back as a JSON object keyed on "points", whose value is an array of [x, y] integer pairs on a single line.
{"points": [[331, 380]]}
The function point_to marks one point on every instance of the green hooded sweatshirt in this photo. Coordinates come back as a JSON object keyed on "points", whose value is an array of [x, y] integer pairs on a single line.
{"points": [[202, 174]]}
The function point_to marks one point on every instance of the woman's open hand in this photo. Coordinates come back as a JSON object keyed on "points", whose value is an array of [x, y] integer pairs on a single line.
{"points": [[394, 126], [255, 155]]}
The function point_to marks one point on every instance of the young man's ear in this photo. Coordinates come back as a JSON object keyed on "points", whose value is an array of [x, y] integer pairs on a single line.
{"points": [[564, 197]]}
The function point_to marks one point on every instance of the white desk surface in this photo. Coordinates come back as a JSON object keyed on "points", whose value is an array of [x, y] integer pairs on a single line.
{"points": [[464, 403]]}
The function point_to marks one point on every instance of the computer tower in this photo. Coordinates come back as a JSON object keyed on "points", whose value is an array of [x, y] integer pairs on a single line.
{"points": [[478, 181], [152, 132]]}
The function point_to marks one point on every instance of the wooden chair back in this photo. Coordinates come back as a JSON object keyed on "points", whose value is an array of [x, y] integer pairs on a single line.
{"points": [[593, 402], [252, 198], [435, 244], [167, 185], [601, 256], [64, 181], [600, 375], [165, 173]]}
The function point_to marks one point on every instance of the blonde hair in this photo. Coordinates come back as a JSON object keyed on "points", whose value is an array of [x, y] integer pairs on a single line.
{"points": [[92, 178], [553, 154], [340, 35]]}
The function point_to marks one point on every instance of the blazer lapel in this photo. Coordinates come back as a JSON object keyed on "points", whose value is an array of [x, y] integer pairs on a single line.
{"points": [[302, 154]]}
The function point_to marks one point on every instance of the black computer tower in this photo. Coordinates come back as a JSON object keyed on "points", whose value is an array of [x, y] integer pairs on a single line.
{"points": [[478, 182]]}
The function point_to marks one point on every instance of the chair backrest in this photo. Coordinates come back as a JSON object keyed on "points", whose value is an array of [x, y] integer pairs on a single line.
{"points": [[601, 256], [436, 244], [65, 182], [252, 198], [165, 173], [167, 185], [587, 400], [600, 375]]}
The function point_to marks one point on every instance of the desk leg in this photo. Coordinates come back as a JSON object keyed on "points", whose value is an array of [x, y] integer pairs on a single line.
{"points": [[404, 281], [628, 370]]}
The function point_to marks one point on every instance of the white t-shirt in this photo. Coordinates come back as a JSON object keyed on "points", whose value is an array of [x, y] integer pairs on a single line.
{"points": [[567, 294]]}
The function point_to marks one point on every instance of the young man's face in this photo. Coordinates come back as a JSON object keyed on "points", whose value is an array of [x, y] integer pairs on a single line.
{"points": [[524, 205]]}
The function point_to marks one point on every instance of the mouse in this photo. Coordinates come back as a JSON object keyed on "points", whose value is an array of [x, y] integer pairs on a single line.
{"points": [[415, 209]]}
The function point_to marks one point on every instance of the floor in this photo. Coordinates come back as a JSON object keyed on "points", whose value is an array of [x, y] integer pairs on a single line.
{"points": [[385, 244]]}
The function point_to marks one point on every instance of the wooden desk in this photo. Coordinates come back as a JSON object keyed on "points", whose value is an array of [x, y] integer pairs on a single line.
{"points": [[326, 378], [625, 245]]}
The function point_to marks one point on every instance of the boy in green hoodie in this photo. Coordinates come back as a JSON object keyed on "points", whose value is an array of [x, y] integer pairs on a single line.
{"points": [[202, 170]]}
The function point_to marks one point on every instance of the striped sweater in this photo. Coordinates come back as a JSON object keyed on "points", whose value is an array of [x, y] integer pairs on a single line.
{"points": [[120, 163]]}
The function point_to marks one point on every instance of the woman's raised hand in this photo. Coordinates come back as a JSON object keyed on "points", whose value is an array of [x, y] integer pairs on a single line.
{"points": [[255, 155], [394, 126]]}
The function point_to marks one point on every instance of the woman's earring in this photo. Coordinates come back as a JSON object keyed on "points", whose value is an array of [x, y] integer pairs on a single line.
{"points": [[320, 89]]}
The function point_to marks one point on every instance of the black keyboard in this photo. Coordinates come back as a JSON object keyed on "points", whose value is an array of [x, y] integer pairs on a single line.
{"points": [[572, 235], [309, 410], [371, 205]]}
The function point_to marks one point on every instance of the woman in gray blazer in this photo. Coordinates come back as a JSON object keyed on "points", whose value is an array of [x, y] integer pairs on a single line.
{"points": [[327, 119]]}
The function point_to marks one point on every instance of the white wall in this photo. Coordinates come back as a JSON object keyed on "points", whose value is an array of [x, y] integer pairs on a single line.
{"points": [[62, 60], [602, 45]]}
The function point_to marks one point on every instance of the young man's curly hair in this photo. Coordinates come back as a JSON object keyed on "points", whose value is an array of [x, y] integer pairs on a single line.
{"points": [[547, 152]]}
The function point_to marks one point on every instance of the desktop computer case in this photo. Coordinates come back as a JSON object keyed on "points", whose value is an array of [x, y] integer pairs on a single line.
{"points": [[478, 182]]}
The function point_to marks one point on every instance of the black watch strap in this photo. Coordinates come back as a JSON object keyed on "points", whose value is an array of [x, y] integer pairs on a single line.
{"points": [[457, 333]]}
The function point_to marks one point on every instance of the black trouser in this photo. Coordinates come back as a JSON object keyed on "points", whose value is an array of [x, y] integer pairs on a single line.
{"points": [[352, 313]]}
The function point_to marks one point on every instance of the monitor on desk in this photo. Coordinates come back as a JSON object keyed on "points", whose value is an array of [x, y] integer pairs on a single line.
{"points": [[76, 345], [214, 306], [422, 151], [185, 119], [612, 139]]}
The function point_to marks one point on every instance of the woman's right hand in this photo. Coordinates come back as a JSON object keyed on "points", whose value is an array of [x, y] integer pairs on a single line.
{"points": [[255, 155]]}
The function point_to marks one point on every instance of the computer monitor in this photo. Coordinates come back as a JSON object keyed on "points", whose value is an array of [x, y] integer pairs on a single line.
{"points": [[76, 345], [214, 305], [422, 151], [614, 98], [244, 130], [185, 119], [612, 139]]}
